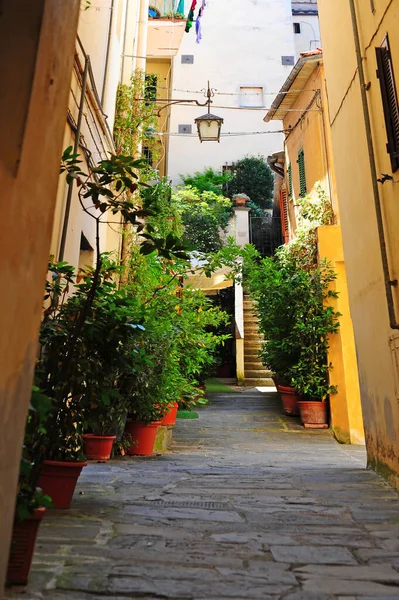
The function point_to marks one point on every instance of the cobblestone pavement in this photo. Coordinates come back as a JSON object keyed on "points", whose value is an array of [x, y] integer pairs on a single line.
{"points": [[248, 505]]}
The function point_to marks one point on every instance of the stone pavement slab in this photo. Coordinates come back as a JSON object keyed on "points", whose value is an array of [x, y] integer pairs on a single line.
{"points": [[246, 505]]}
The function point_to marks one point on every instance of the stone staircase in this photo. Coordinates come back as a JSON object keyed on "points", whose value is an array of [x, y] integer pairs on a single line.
{"points": [[256, 374]]}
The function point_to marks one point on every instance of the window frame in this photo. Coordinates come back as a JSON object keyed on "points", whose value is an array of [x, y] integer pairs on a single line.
{"points": [[302, 173], [389, 97]]}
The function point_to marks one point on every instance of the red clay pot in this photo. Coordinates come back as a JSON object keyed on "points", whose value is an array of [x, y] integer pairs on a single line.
{"points": [[58, 480], [143, 436], [23, 542], [313, 412], [170, 417], [290, 400], [98, 447]]}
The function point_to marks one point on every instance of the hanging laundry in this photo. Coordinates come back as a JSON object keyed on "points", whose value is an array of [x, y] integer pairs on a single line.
{"points": [[198, 24], [190, 17]]}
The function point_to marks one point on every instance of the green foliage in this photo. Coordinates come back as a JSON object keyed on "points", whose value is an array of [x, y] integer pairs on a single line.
{"points": [[136, 118], [294, 294], [253, 176], [180, 343], [208, 180], [205, 216]]}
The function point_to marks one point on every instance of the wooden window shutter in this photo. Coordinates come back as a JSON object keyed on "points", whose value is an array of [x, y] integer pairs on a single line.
{"points": [[302, 174], [289, 171], [386, 78], [284, 215]]}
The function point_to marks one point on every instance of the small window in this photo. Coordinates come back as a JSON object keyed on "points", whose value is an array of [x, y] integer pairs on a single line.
{"points": [[297, 27], [302, 173], [251, 96], [289, 173], [386, 77]]}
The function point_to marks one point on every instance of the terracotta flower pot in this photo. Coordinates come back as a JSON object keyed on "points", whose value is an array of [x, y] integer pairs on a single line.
{"points": [[170, 417], [290, 400], [58, 480], [98, 447], [23, 542], [313, 413], [143, 437]]}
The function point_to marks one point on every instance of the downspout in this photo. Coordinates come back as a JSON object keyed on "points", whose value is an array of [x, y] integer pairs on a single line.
{"points": [[75, 151], [105, 78], [370, 147]]}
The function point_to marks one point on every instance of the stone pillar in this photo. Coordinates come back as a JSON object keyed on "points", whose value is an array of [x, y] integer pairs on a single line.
{"points": [[37, 41], [241, 213]]}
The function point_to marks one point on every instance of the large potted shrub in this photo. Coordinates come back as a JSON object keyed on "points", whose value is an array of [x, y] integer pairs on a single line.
{"points": [[319, 321]]}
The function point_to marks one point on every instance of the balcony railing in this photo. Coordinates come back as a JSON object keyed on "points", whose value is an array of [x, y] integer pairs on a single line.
{"points": [[161, 9]]}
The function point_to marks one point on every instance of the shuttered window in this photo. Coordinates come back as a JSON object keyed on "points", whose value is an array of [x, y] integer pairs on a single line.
{"points": [[302, 174], [386, 77], [289, 173], [284, 215]]}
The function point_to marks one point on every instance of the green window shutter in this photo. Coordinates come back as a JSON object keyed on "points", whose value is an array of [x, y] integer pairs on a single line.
{"points": [[289, 171], [302, 174]]}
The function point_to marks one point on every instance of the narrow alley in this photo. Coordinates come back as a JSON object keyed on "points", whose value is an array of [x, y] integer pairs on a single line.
{"points": [[248, 504]]}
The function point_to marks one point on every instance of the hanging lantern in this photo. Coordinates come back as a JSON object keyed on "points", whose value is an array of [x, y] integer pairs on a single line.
{"points": [[209, 127]]}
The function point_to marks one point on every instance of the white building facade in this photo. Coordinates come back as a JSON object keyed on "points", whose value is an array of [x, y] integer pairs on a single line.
{"points": [[246, 52], [305, 24]]}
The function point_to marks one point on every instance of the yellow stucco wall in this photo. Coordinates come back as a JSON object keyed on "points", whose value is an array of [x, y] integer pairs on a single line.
{"points": [[377, 373], [27, 206], [310, 132], [162, 68]]}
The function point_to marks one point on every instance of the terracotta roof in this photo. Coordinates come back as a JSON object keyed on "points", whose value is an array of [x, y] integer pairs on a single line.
{"points": [[315, 52]]}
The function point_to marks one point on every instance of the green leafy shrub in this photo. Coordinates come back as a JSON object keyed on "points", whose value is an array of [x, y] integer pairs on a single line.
{"points": [[205, 217]]}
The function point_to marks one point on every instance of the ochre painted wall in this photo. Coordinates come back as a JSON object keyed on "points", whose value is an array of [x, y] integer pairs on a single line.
{"points": [[27, 206], [377, 373]]}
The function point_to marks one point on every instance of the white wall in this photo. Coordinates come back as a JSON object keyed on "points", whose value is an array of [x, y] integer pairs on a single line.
{"points": [[309, 38], [242, 44]]}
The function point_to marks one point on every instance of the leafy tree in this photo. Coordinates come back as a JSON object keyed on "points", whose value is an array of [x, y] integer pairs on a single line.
{"points": [[253, 176], [208, 180], [205, 216]]}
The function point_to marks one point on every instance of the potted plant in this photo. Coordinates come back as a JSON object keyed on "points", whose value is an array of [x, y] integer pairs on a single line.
{"points": [[319, 321], [240, 199], [31, 502]]}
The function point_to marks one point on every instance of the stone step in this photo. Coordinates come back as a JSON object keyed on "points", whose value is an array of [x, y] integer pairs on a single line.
{"points": [[252, 345], [251, 355], [252, 336], [257, 373], [251, 364], [251, 327], [265, 382]]}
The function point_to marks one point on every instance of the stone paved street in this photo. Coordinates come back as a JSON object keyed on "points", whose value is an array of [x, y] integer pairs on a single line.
{"points": [[247, 505]]}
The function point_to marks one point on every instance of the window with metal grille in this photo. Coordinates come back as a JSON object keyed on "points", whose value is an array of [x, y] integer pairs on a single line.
{"points": [[302, 173], [386, 77], [289, 173]]}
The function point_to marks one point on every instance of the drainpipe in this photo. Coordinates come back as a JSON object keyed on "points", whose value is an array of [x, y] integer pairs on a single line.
{"points": [[75, 151], [142, 35], [105, 78], [370, 147]]}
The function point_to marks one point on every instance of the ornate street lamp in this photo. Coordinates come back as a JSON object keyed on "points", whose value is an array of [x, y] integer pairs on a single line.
{"points": [[209, 125]]}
